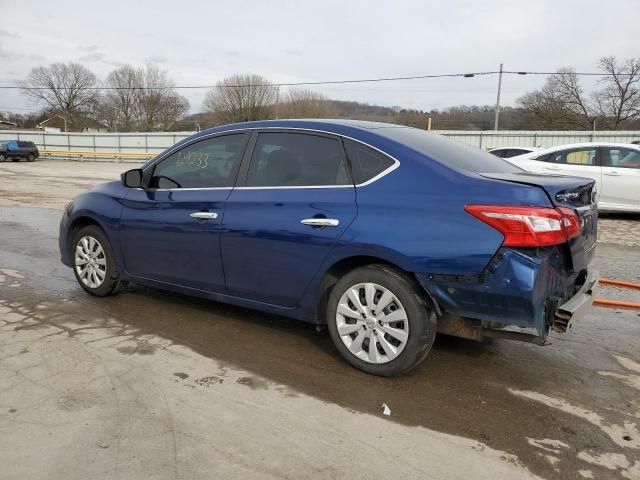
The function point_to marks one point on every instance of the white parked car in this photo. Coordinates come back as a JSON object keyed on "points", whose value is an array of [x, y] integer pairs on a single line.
{"points": [[614, 166], [508, 152]]}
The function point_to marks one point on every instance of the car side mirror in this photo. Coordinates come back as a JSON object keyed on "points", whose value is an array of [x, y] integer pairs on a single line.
{"points": [[132, 178]]}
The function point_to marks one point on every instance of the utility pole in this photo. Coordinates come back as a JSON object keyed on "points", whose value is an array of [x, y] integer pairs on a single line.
{"points": [[495, 123], [277, 100]]}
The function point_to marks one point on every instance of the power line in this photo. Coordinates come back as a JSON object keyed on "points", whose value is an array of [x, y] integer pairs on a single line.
{"points": [[289, 84], [579, 74], [335, 82]]}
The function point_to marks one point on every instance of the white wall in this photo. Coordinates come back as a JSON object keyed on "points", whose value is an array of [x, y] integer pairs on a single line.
{"points": [[99, 142], [157, 142]]}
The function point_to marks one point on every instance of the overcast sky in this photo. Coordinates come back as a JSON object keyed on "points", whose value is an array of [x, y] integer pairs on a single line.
{"points": [[201, 42]]}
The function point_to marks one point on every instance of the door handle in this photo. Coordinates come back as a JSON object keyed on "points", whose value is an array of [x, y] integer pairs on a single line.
{"points": [[204, 215], [552, 168], [320, 222], [612, 174]]}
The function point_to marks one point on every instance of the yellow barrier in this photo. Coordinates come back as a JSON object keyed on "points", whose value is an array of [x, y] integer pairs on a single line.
{"points": [[80, 154]]}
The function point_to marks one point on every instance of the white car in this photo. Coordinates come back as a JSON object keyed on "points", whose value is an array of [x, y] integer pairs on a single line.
{"points": [[508, 152], [614, 166]]}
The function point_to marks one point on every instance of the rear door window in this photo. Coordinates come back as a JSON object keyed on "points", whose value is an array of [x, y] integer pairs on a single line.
{"points": [[283, 159], [576, 156], [621, 158], [209, 163]]}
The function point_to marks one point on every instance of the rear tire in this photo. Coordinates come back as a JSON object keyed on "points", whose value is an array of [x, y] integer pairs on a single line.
{"points": [[390, 313], [31, 158], [94, 264]]}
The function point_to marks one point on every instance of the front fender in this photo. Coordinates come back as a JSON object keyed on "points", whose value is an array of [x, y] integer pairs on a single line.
{"points": [[102, 206]]}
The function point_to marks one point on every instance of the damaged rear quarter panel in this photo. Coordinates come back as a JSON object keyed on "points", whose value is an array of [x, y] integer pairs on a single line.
{"points": [[515, 288]]}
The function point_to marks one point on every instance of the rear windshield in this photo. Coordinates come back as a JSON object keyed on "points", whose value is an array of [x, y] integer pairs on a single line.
{"points": [[26, 144], [449, 152]]}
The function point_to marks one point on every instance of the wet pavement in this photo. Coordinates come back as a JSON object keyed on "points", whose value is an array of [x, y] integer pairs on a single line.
{"points": [[250, 395]]}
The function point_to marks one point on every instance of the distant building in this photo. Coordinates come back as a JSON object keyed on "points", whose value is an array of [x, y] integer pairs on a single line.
{"points": [[94, 126], [58, 123]]}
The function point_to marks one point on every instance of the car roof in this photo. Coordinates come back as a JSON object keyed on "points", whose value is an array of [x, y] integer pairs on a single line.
{"points": [[337, 126], [570, 146], [590, 144], [514, 148]]}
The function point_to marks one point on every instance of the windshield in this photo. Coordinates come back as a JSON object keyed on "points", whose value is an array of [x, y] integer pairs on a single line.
{"points": [[449, 152]]}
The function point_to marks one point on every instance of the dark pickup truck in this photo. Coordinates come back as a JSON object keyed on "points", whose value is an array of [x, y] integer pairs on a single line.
{"points": [[17, 150]]}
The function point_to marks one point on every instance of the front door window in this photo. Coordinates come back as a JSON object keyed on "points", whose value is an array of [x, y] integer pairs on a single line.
{"points": [[209, 163]]}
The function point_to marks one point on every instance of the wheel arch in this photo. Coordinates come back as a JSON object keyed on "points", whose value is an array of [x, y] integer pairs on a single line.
{"points": [[344, 265], [332, 275], [80, 221]]}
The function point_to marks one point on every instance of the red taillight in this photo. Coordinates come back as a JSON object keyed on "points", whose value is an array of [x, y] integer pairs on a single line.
{"points": [[529, 226], [570, 222]]}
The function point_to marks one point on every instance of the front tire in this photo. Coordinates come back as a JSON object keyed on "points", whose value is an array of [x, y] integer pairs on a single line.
{"points": [[93, 262], [379, 320], [2, 157]]}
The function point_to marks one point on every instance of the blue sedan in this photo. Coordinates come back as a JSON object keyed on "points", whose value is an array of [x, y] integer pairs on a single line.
{"points": [[385, 234]]}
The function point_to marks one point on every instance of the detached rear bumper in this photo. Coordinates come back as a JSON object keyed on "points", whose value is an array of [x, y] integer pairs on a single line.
{"points": [[577, 306], [527, 288]]}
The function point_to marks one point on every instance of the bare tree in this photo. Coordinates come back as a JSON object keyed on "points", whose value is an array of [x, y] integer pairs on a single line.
{"points": [[155, 87], [619, 100], [571, 95], [546, 110], [304, 103], [67, 89], [241, 98], [107, 112], [141, 99], [561, 102], [118, 104], [173, 108]]}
